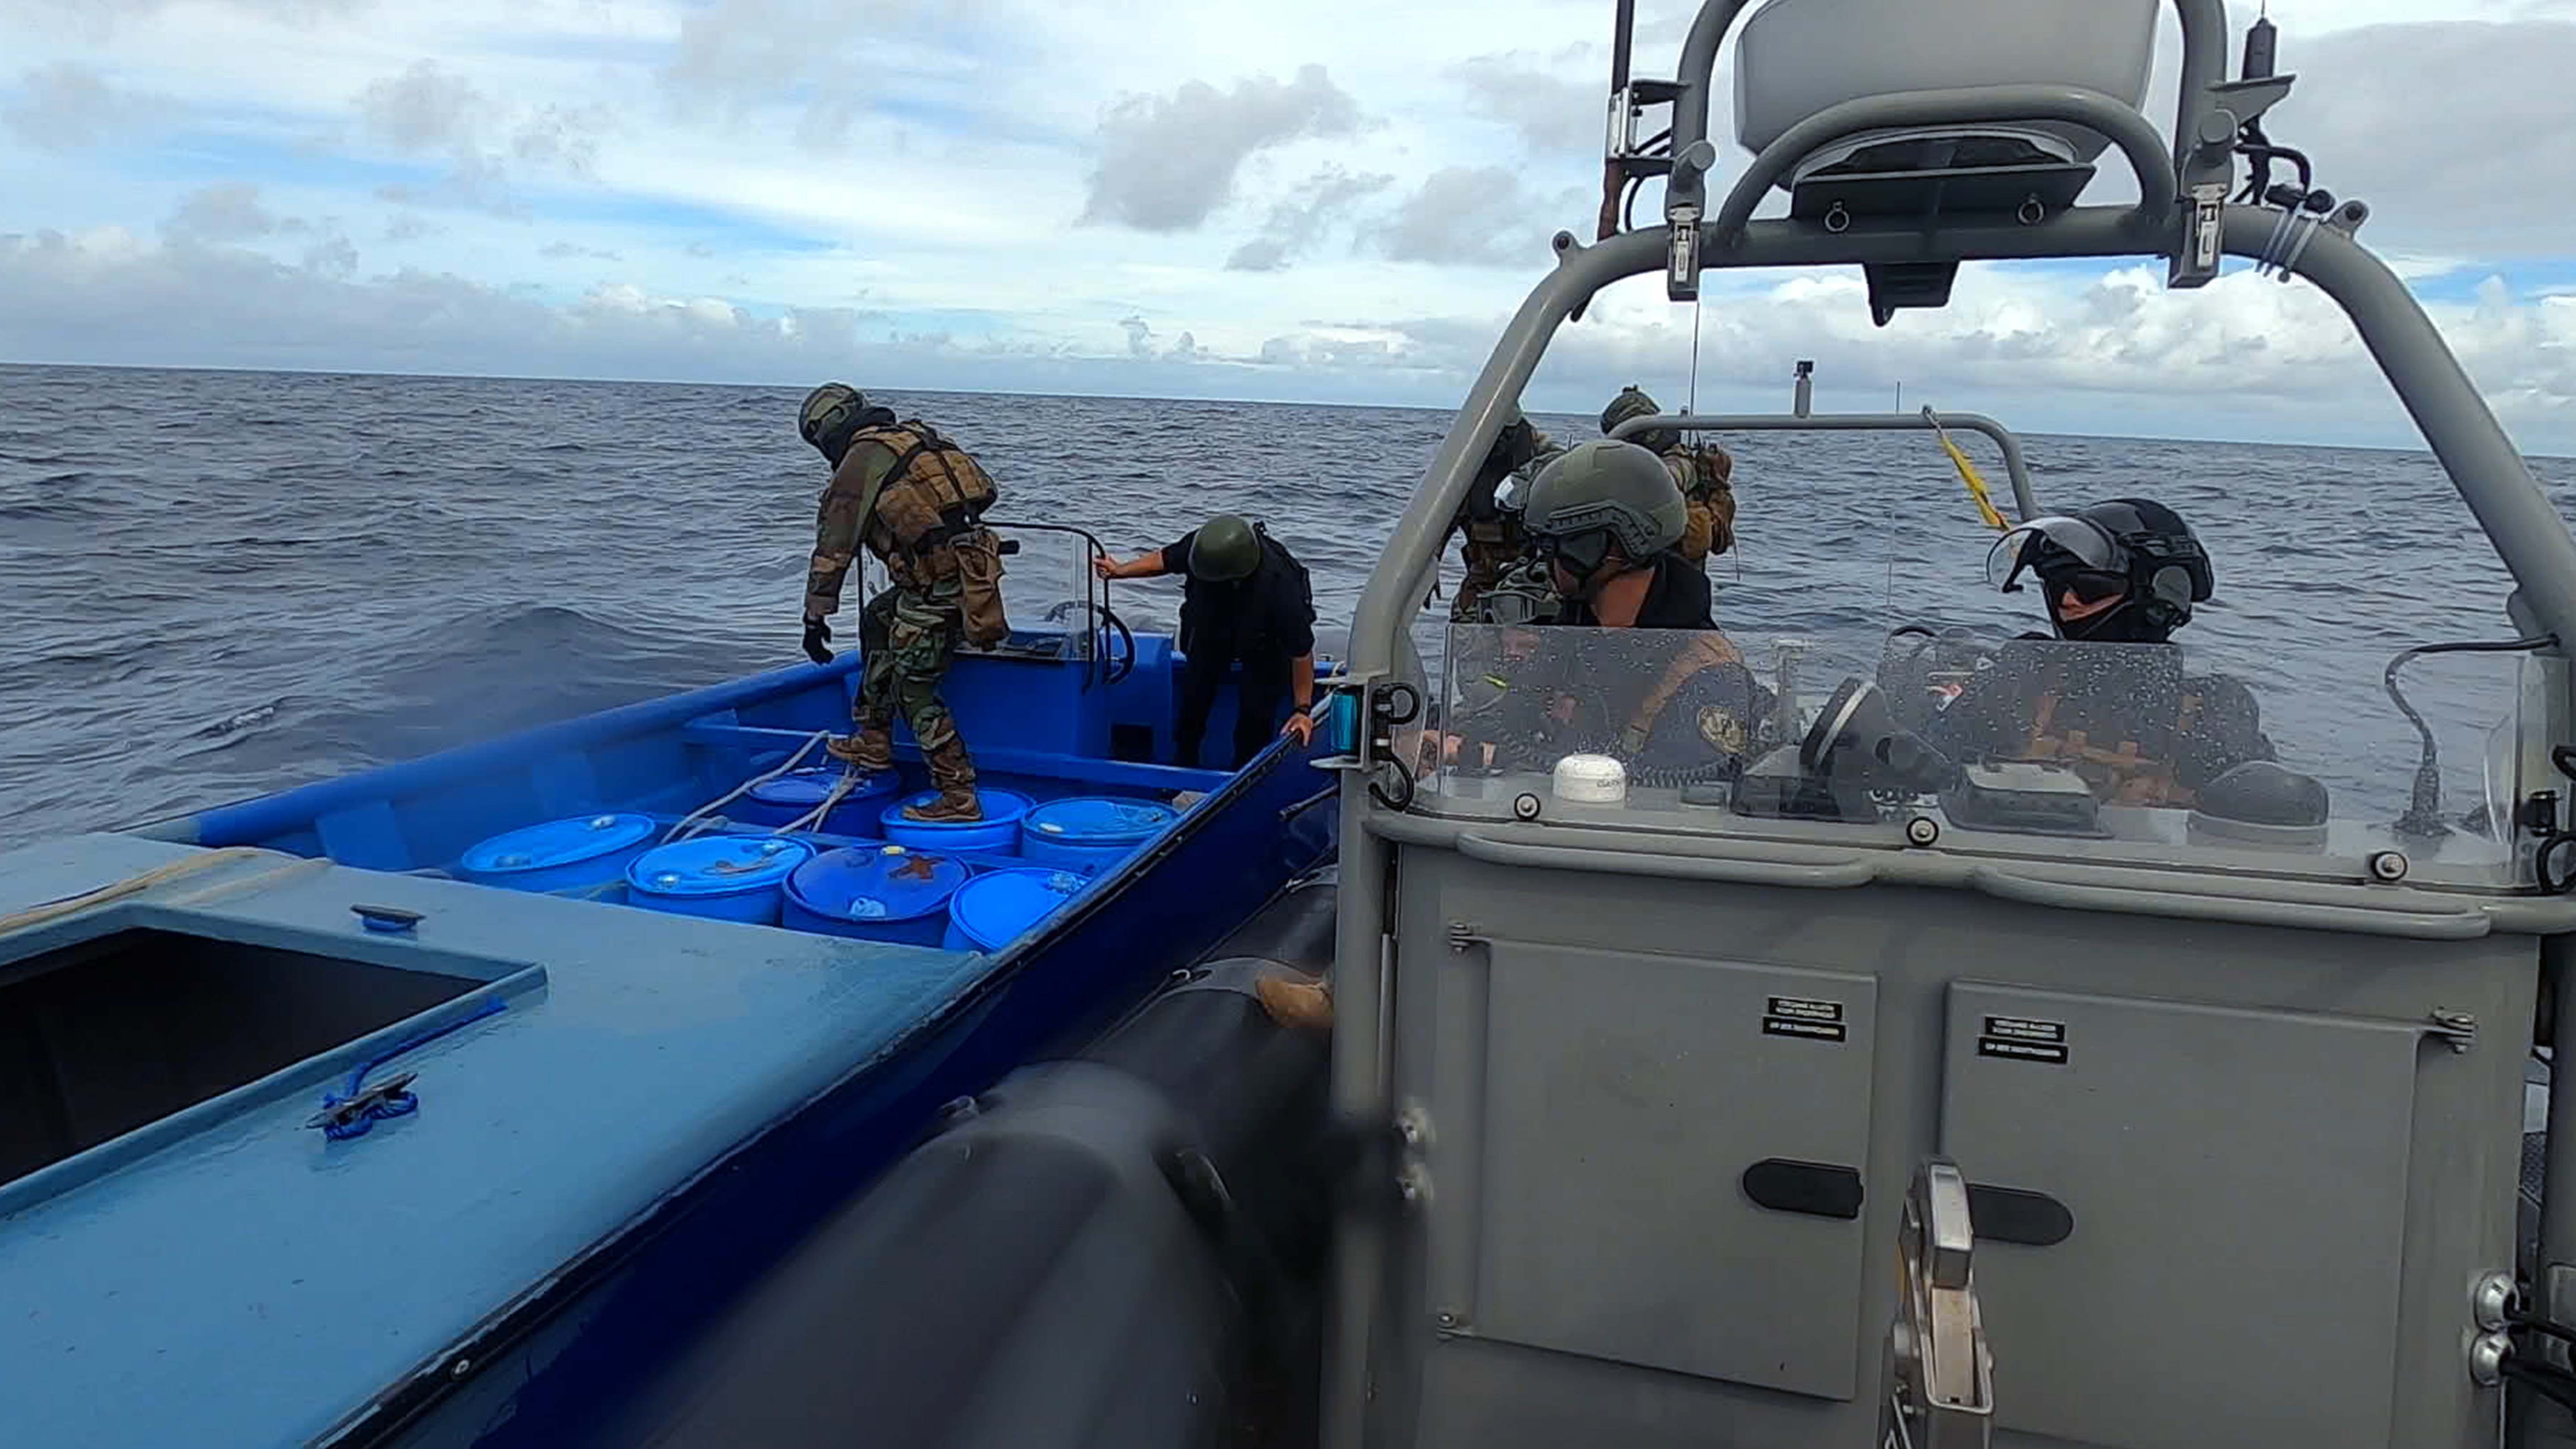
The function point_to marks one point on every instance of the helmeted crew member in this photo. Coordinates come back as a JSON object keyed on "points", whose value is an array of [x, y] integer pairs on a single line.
{"points": [[1493, 539], [917, 500], [1604, 519], [1704, 472], [1247, 599], [2123, 571]]}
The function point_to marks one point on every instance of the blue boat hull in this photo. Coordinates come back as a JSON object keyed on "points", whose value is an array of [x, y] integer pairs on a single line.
{"points": [[545, 1371], [533, 1342]]}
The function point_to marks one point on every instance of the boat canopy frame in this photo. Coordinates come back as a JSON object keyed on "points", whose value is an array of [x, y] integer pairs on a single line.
{"points": [[2016, 467], [2183, 216]]}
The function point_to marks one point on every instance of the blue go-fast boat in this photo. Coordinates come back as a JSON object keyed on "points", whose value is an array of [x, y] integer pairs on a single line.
{"points": [[446, 1101]]}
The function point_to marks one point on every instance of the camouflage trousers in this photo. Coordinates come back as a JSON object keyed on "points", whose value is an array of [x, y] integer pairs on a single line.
{"points": [[908, 637]]}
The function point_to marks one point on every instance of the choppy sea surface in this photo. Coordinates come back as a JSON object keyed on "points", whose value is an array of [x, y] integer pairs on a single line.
{"points": [[216, 585]]}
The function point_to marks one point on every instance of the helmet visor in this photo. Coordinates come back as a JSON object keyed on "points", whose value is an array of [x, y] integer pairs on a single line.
{"points": [[2045, 544]]}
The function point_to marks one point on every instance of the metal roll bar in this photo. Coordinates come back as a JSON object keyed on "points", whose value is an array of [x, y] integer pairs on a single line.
{"points": [[2024, 502]]}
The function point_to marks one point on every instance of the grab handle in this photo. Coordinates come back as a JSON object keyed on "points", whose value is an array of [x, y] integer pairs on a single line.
{"points": [[1838, 875], [2460, 925]]}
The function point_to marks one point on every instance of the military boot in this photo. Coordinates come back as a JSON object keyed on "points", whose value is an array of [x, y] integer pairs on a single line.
{"points": [[954, 773], [870, 751]]}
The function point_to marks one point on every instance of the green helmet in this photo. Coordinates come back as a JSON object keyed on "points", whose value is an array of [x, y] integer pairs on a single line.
{"points": [[1614, 490], [1632, 402], [831, 414], [1224, 549]]}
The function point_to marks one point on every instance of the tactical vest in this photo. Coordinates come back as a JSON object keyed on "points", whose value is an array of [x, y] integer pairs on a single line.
{"points": [[1235, 616], [2123, 771], [1702, 652], [1707, 468], [933, 493]]}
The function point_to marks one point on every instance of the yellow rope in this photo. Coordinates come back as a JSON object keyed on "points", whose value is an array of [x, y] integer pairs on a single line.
{"points": [[118, 890], [1968, 475]]}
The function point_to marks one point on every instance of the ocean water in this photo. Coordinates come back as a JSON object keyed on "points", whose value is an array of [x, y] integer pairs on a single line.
{"points": [[216, 585]]}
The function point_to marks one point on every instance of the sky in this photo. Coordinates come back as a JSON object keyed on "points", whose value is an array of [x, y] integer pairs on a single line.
{"points": [[1330, 201]]}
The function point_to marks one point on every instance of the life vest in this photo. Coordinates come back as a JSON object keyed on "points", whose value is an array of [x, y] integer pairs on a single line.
{"points": [[2142, 737], [1701, 652], [1239, 616], [934, 491]]}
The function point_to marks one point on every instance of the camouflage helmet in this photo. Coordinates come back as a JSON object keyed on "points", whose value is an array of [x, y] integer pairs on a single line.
{"points": [[1607, 486], [1632, 402], [1224, 549], [830, 415]]}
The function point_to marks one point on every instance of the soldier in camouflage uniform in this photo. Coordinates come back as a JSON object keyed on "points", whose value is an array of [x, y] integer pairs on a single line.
{"points": [[1705, 473], [916, 500], [1494, 541]]}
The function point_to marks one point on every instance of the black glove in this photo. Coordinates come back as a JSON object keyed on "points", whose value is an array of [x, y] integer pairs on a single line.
{"points": [[816, 632]]}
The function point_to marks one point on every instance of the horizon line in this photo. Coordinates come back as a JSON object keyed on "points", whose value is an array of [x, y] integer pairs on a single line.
{"points": [[2418, 448]]}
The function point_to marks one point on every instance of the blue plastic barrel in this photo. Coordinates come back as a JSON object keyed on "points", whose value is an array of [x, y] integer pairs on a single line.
{"points": [[793, 796], [998, 833], [586, 850], [721, 877], [874, 893], [991, 911], [1091, 832]]}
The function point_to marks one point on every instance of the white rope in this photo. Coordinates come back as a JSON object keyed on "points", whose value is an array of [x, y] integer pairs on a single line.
{"points": [[813, 819], [702, 812]]}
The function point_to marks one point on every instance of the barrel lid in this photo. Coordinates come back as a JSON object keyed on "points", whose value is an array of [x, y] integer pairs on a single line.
{"points": [[1100, 820], [876, 883], [557, 843], [716, 865], [805, 789], [993, 908], [1001, 807]]}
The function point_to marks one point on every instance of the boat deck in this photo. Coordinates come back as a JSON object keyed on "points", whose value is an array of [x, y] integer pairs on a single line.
{"points": [[633, 1048]]}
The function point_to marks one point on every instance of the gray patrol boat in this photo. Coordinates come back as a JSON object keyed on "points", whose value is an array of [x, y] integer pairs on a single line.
{"points": [[1853, 1101]]}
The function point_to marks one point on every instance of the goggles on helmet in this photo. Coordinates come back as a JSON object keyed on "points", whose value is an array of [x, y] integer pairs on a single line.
{"points": [[2053, 546], [2087, 585], [1581, 553]]}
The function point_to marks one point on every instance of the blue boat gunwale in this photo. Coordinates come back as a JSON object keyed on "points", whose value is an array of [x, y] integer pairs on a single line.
{"points": [[408, 1397], [260, 817], [500, 979]]}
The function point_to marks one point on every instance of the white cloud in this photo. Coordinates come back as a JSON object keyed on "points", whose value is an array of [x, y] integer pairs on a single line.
{"points": [[1331, 200], [426, 108], [1295, 226], [1166, 162], [1477, 216], [67, 106], [230, 212], [1557, 104]]}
